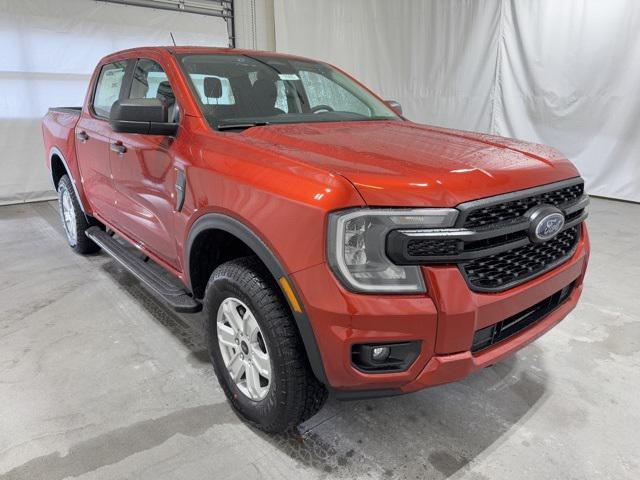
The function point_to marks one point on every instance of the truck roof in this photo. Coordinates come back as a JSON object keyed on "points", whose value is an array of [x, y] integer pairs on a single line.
{"points": [[181, 50]]}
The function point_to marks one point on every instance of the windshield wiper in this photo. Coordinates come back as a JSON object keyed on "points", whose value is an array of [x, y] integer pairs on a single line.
{"points": [[241, 126]]}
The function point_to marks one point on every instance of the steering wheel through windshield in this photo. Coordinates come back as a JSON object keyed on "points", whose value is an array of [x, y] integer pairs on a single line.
{"points": [[320, 108]]}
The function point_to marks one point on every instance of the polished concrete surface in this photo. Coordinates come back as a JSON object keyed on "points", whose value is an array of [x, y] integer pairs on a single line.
{"points": [[99, 380]]}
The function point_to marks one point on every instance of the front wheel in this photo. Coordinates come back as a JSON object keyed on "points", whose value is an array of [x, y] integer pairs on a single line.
{"points": [[256, 350], [73, 219]]}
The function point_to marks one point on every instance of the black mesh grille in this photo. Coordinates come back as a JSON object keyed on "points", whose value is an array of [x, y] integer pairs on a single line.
{"points": [[424, 246], [513, 266], [493, 334], [517, 208], [495, 241]]}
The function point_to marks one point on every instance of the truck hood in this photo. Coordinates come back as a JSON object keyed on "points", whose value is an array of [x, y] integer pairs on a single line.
{"points": [[400, 163]]}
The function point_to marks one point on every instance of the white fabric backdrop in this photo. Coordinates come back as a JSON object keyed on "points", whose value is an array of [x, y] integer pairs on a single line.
{"points": [[49, 50], [562, 73]]}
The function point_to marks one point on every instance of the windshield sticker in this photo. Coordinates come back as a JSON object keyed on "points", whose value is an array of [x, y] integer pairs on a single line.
{"points": [[289, 76]]}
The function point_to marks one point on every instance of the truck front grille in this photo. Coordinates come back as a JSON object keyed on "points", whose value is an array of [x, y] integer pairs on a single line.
{"points": [[517, 208], [510, 267], [492, 243]]}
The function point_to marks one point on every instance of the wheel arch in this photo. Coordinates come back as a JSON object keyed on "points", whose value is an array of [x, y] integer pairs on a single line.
{"points": [[209, 225], [59, 168]]}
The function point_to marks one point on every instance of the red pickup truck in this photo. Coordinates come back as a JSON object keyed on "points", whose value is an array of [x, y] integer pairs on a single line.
{"points": [[335, 246]]}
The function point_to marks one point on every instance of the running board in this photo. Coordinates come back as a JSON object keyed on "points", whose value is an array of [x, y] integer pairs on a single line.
{"points": [[161, 282]]}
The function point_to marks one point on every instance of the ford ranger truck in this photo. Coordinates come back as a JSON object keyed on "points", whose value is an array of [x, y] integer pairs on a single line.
{"points": [[334, 246]]}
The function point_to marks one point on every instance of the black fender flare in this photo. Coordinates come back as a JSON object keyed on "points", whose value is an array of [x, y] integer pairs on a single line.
{"points": [[238, 229], [55, 152]]}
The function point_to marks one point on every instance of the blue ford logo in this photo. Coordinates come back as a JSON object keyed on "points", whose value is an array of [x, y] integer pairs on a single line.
{"points": [[546, 222]]}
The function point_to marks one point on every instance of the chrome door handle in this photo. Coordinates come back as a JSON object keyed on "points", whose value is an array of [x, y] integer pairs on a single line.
{"points": [[118, 147], [82, 136]]}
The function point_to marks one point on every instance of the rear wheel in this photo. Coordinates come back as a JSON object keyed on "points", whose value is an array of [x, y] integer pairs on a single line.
{"points": [[256, 350], [74, 221]]}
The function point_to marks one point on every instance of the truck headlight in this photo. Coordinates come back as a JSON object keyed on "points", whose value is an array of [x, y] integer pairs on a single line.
{"points": [[356, 247]]}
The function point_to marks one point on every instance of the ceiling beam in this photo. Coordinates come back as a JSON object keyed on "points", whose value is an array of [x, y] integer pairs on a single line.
{"points": [[214, 8]]}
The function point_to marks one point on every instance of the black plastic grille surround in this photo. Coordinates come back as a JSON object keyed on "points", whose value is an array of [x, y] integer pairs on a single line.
{"points": [[510, 267], [516, 208]]}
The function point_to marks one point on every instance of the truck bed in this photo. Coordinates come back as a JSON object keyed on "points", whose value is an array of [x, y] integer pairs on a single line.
{"points": [[66, 109], [58, 128]]}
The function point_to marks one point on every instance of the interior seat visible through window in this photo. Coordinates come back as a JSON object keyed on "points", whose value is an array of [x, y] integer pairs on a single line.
{"points": [[166, 95], [150, 81], [264, 93]]}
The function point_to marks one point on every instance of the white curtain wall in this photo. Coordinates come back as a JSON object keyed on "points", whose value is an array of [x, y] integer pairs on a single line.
{"points": [[562, 73], [49, 50]]}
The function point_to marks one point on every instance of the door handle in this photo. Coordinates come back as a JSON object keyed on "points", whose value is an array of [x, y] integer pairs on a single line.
{"points": [[82, 136], [118, 147]]}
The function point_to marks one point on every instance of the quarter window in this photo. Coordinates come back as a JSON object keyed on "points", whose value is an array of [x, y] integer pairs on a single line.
{"points": [[108, 88]]}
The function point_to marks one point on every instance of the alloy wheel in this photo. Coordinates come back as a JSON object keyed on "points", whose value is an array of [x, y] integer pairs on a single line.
{"points": [[68, 217], [243, 349]]}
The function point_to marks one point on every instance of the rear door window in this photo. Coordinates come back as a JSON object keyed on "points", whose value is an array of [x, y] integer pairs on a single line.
{"points": [[108, 87]]}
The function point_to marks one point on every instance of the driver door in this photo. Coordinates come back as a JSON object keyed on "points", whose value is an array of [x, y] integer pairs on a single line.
{"points": [[143, 170]]}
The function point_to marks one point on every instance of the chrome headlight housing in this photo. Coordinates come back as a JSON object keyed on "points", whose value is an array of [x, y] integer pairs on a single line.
{"points": [[356, 247]]}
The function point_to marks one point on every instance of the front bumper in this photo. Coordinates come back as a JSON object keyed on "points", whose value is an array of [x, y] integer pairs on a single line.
{"points": [[444, 320]]}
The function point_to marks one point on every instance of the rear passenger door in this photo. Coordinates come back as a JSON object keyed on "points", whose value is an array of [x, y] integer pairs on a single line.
{"points": [[143, 170], [93, 134]]}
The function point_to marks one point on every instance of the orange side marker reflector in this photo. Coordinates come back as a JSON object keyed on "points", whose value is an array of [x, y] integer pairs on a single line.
{"points": [[290, 295]]}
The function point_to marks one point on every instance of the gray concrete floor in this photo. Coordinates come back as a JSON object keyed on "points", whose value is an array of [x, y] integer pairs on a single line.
{"points": [[99, 380]]}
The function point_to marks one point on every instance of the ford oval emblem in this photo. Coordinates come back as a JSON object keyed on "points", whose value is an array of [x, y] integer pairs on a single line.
{"points": [[546, 222]]}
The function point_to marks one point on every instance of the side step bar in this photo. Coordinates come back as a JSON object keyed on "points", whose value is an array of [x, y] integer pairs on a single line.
{"points": [[165, 285]]}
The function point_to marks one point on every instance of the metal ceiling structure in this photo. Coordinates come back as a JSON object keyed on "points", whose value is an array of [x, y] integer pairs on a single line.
{"points": [[214, 8]]}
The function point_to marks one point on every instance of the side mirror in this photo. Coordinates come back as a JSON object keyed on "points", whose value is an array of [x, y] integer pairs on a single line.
{"points": [[148, 116], [395, 106]]}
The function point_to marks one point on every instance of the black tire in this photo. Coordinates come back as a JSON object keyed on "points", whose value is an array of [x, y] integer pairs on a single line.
{"points": [[294, 393], [77, 239]]}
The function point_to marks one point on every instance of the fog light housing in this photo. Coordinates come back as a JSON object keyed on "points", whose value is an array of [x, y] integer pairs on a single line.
{"points": [[385, 357]]}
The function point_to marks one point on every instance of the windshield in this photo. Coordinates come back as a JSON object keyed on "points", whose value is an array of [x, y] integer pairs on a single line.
{"points": [[239, 91]]}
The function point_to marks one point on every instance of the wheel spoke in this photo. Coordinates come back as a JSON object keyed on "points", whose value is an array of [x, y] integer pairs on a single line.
{"points": [[226, 335], [236, 367], [232, 315], [261, 361], [251, 327], [253, 381]]}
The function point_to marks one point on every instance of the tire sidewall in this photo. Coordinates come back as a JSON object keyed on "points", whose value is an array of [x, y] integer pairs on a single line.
{"points": [[264, 411]]}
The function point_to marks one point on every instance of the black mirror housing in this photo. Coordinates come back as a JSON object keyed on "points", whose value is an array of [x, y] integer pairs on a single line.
{"points": [[395, 106], [147, 116]]}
